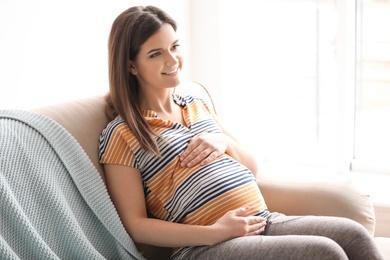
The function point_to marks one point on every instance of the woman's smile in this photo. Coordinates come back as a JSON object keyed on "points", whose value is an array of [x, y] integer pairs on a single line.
{"points": [[172, 73]]}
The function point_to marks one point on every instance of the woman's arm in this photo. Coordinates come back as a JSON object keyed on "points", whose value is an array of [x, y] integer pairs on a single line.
{"points": [[205, 147], [240, 153], [126, 190]]}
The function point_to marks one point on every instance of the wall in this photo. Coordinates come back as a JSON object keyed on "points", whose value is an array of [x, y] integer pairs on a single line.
{"points": [[52, 51], [205, 51]]}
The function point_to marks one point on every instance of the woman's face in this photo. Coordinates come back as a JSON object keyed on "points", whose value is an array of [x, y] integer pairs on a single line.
{"points": [[159, 61]]}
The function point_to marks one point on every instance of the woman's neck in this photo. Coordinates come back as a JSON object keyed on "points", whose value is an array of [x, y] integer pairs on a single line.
{"points": [[164, 105]]}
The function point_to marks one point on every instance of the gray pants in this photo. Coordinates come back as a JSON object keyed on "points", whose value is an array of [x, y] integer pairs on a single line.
{"points": [[297, 237]]}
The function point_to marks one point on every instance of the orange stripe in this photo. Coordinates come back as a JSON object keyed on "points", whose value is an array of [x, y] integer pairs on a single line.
{"points": [[229, 201]]}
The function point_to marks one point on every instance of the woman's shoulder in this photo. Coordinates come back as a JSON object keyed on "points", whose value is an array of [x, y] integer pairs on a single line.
{"points": [[188, 99], [115, 127], [116, 122], [194, 102], [115, 136]]}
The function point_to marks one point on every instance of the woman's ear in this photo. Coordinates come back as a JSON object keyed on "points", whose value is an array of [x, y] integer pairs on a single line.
{"points": [[132, 68]]}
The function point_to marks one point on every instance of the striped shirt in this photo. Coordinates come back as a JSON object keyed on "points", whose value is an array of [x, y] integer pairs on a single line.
{"points": [[199, 195]]}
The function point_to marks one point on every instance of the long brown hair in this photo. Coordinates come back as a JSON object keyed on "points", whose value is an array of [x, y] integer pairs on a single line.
{"points": [[128, 32]]}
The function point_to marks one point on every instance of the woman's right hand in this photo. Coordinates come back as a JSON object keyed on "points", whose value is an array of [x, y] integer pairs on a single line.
{"points": [[235, 224]]}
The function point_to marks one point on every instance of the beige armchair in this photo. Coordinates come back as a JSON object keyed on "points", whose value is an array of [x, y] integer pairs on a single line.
{"points": [[85, 119]]}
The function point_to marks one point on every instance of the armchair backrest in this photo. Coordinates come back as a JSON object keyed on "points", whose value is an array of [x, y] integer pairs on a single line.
{"points": [[85, 118]]}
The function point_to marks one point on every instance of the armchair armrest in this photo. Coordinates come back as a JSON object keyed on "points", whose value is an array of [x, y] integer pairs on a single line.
{"points": [[337, 196]]}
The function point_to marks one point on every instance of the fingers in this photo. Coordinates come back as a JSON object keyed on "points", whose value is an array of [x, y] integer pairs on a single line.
{"points": [[200, 154], [236, 223], [240, 212], [256, 229], [203, 148], [255, 225], [197, 152]]}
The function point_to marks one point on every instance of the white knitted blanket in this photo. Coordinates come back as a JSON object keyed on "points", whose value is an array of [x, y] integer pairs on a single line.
{"points": [[53, 202]]}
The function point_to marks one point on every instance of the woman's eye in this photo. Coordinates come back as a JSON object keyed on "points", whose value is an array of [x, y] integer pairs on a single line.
{"points": [[154, 55], [175, 46]]}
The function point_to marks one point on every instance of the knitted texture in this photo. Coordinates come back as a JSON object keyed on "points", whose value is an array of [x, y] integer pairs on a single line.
{"points": [[54, 204]]}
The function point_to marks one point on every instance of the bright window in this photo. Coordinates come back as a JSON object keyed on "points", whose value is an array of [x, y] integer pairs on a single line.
{"points": [[283, 53], [373, 86], [313, 75]]}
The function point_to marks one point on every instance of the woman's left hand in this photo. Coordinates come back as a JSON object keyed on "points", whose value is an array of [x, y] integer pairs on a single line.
{"points": [[203, 148]]}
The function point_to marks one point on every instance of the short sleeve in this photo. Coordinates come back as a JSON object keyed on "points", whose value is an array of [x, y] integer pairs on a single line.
{"points": [[116, 145]]}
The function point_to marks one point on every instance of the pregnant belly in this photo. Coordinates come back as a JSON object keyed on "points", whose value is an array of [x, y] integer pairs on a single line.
{"points": [[209, 212]]}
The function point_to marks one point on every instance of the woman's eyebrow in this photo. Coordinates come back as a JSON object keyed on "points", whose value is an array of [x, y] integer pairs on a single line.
{"points": [[153, 50], [159, 49]]}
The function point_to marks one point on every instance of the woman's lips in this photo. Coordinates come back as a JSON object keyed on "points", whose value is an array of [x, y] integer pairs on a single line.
{"points": [[171, 73]]}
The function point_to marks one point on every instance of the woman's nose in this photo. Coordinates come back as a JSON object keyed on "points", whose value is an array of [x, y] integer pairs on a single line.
{"points": [[172, 59]]}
